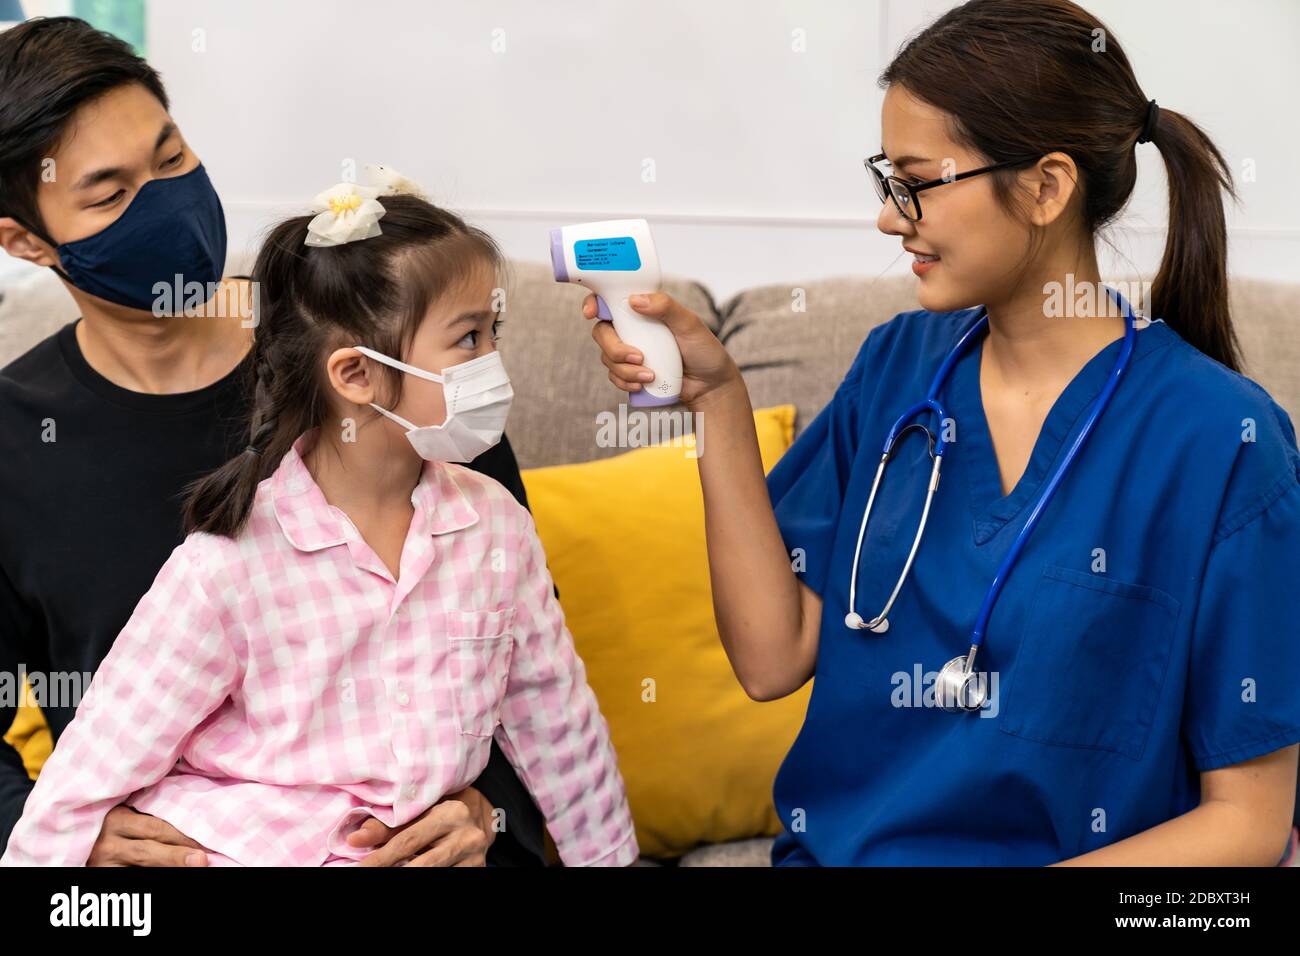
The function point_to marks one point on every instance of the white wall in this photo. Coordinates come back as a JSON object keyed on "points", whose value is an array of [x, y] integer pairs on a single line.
{"points": [[524, 115]]}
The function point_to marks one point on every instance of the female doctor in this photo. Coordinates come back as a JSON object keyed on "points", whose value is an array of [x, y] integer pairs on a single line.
{"points": [[1093, 657]]}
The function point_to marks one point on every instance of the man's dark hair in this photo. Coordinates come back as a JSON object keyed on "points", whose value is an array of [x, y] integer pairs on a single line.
{"points": [[49, 68]]}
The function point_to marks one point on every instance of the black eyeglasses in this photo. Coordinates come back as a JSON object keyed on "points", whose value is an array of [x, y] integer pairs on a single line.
{"points": [[904, 194]]}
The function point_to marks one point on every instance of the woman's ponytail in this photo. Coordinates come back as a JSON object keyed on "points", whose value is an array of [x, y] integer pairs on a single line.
{"points": [[1190, 291]]}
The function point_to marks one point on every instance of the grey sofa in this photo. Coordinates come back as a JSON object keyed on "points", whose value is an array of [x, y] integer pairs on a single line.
{"points": [[785, 355]]}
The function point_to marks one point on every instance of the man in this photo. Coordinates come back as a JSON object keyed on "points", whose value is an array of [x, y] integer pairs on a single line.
{"points": [[103, 424]]}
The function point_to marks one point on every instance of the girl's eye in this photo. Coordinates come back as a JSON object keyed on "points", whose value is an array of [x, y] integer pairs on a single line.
{"points": [[470, 339], [109, 201]]}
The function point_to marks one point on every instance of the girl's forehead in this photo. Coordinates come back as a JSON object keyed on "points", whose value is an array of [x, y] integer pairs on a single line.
{"points": [[475, 292], [473, 282], [472, 294], [479, 278]]}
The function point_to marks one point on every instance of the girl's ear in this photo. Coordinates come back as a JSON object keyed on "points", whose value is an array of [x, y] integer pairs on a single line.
{"points": [[349, 374], [1052, 183]]}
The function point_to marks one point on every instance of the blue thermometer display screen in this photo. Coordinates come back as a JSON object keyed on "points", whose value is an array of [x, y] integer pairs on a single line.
{"points": [[615, 254]]}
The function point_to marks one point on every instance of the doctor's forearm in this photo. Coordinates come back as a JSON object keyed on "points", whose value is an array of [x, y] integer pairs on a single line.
{"points": [[1216, 833], [756, 596]]}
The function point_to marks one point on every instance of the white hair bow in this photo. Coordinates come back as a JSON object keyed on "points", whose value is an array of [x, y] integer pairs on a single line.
{"points": [[347, 212]]}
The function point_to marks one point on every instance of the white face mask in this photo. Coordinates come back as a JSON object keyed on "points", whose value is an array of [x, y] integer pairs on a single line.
{"points": [[477, 394]]}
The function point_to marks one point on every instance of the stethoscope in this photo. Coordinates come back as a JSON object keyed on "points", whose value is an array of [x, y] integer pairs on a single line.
{"points": [[957, 688]]}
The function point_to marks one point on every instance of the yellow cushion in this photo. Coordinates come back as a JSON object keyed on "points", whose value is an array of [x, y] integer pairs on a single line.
{"points": [[624, 539], [30, 735]]}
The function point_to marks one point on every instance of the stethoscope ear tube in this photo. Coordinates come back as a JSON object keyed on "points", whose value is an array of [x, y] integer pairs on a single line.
{"points": [[880, 623]]}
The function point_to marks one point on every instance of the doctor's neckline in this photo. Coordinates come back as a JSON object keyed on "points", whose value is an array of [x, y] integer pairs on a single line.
{"points": [[992, 510]]}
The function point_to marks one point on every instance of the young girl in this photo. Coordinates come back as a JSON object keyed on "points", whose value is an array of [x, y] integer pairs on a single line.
{"points": [[1135, 612], [354, 614]]}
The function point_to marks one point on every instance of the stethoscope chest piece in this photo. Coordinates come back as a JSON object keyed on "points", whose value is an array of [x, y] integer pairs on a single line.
{"points": [[959, 688]]}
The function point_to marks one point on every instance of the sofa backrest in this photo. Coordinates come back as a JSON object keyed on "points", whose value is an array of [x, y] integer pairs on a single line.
{"points": [[793, 342], [802, 357]]}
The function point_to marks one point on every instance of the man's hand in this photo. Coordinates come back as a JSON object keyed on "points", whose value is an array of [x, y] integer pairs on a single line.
{"points": [[454, 832], [131, 838]]}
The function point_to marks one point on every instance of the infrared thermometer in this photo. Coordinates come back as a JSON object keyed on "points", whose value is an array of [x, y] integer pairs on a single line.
{"points": [[617, 259]]}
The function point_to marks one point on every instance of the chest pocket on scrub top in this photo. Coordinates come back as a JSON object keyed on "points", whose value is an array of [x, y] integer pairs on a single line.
{"points": [[480, 644], [1091, 663]]}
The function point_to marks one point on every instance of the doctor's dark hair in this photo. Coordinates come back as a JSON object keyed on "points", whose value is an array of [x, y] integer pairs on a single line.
{"points": [[49, 68], [313, 299], [1030, 77]]}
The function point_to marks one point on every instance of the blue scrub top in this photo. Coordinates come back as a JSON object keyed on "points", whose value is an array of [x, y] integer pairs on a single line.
{"points": [[1147, 633]]}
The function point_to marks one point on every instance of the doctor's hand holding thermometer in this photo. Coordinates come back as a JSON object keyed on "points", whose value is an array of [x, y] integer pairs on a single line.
{"points": [[618, 262], [767, 619]]}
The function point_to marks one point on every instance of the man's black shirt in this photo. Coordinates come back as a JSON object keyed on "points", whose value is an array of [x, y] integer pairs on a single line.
{"points": [[92, 478]]}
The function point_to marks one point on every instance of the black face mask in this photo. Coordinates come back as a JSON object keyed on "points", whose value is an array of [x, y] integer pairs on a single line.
{"points": [[172, 234]]}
